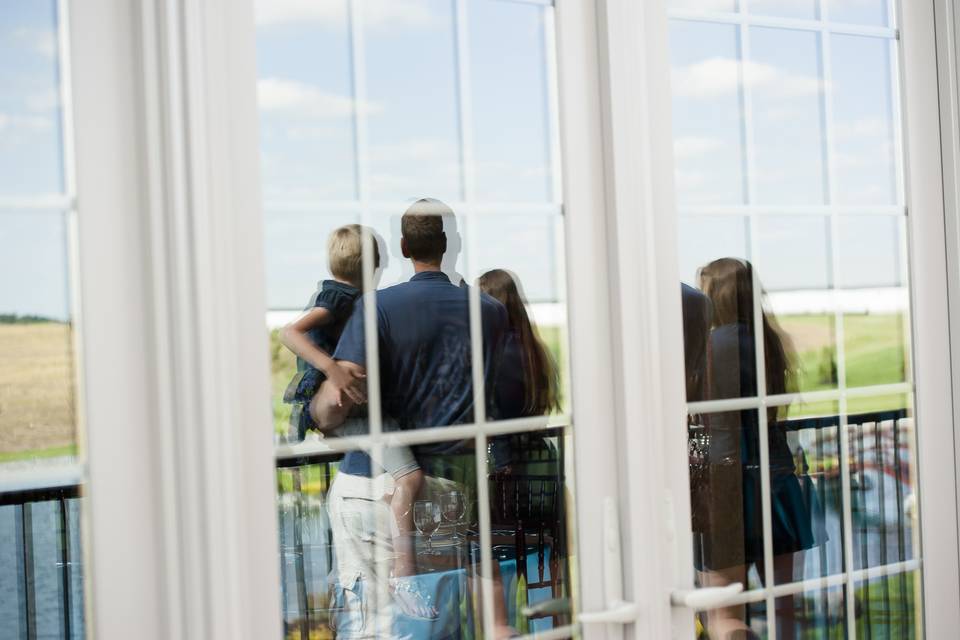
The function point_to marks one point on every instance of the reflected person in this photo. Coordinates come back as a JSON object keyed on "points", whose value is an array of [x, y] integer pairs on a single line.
{"points": [[528, 383], [423, 339], [728, 512]]}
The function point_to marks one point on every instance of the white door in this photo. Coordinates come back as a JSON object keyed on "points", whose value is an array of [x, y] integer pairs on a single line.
{"points": [[602, 153], [808, 211]]}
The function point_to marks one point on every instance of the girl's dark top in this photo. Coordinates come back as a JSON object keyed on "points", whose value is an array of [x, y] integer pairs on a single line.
{"points": [[737, 538], [337, 298]]}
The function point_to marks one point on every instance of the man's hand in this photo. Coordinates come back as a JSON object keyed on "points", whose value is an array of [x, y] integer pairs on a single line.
{"points": [[329, 408], [347, 381]]}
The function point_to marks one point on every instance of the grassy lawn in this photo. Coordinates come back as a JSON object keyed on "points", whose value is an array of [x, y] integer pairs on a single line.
{"points": [[874, 349]]}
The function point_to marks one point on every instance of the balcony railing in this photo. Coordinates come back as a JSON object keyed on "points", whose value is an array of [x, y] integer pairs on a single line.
{"points": [[41, 574]]}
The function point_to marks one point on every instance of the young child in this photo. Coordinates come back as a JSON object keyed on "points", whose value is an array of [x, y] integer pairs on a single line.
{"points": [[313, 338]]}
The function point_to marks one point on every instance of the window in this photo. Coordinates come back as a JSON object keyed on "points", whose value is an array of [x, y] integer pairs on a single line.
{"points": [[792, 219], [367, 107], [41, 573]]}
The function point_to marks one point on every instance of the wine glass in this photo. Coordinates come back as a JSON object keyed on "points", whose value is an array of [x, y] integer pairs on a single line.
{"points": [[453, 507], [426, 517]]}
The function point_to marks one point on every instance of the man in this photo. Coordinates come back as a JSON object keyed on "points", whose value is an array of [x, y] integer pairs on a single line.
{"points": [[426, 380]]}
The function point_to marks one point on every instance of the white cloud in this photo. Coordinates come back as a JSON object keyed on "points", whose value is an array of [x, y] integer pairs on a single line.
{"points": [[871, 127], [417, 150], [686, 147], [41, 41], [376, 13], [48, 100], [717, 76], [12, 122], [295, 98]]}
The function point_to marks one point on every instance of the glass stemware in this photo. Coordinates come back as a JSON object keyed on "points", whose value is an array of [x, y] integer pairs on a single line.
{"points": [[426, 517], [453, 507]]}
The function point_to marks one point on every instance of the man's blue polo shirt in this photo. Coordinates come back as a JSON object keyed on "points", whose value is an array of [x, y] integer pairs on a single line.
{"points": [[425, 355]]}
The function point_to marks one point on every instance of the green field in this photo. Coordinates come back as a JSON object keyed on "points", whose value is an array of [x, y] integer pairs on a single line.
{"points": [[37, 390]]}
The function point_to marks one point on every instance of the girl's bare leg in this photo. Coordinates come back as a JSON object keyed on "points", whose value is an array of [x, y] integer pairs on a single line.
{"points": [[723, 622]]}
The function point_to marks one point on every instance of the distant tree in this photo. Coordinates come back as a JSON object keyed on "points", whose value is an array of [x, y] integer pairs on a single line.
{"points": [[14, 318]]}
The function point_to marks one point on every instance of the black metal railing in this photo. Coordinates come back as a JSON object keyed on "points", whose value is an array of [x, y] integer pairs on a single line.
{"points": [[42, 589]]}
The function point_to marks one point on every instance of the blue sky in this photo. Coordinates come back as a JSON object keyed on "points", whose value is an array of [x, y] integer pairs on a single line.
{"points": [[305, 87]]}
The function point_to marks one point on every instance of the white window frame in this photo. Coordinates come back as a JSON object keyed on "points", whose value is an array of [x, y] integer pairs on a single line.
{"points": [[642, 206], [175, 369]]}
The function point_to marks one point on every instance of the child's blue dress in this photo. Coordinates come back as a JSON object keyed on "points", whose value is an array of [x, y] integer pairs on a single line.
{"points": [[337, 298]]}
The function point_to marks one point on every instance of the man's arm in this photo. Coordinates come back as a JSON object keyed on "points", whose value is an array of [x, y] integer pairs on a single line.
{"points": [[327, 408]]}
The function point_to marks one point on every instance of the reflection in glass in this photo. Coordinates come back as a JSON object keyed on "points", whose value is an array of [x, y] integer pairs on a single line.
{"points": [[875, 299], [865, 12], [804, 9], [528, 510], [794, 254], [411, 90], [820, 613], [706, 238], [509, 84], [37, 418], [882, 492], [811, 434], [865, 160], [31, 161], [786, 90], [306, 106], [704, 5], [707, 123], [889, 607], [528, 382]]}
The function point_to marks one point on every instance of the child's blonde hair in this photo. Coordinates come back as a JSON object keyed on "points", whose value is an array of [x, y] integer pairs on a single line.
{"points": [[345, 253]]}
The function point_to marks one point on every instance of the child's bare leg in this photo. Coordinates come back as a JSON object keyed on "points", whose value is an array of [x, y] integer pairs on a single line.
{"points": [[405, 491], [411, 601]]}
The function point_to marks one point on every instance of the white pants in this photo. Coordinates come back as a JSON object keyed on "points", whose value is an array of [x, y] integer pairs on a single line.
{"points": [[363, 530]]}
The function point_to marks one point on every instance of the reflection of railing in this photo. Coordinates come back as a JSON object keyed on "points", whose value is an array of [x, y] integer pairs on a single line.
{"points": [[307, 611], [45, 579], [881, 498]]}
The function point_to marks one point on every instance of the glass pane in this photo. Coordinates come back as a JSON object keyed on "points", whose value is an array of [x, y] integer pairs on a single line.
{"points": [[342, 533], [12, 609], [817, 613], [875, 299], [41, 594], [865, 161], [30, 145], [805, 492], [866, 12], [509, 78], [704, 5], [794, 267], [409, 292], [789, 146], [725, 496], [519, 262], [707, 117], [414, 124], [746, 621], [882, 493], [305, 92], [528, 512], [36, 354], [890, 607], [806, 9]]}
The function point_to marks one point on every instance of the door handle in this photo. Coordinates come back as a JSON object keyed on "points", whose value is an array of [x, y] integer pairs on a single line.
{"points": [[706, 597], [620, 612]]}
